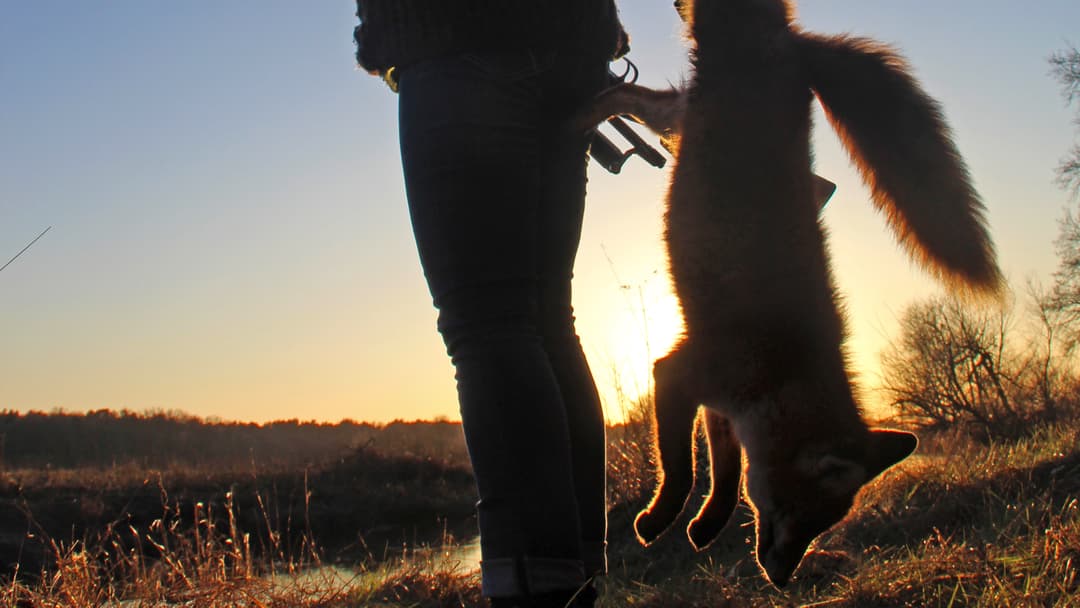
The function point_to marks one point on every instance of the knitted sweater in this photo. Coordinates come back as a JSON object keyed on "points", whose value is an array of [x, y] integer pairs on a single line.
{"points": [[397, 33]]}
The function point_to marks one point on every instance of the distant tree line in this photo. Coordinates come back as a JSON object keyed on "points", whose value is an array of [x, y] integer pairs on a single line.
{"points": [[104, 438]]}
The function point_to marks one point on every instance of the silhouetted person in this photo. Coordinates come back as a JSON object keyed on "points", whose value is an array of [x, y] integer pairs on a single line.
{"points": [[496, 193]]}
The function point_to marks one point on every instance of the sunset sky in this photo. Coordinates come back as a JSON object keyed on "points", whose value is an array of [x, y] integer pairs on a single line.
{"points": [[230, 236]]}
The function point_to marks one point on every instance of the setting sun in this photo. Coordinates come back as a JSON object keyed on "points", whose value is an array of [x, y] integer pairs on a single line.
{"points": [[643, 331]]}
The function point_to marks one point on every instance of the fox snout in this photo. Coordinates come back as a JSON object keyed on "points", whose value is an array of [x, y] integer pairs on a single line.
{"points": [[780, 566], [780, 551]]}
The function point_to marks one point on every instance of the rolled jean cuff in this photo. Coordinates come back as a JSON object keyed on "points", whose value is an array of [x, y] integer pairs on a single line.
{"points": [[594, 554], [508, 577]]}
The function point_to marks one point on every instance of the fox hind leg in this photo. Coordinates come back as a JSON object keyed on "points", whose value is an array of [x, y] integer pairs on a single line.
{"points": [[725, 466], [674, 428], [659, 110]]}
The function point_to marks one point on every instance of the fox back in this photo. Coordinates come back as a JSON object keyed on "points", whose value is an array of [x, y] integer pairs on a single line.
{"points": [[745, 249]]}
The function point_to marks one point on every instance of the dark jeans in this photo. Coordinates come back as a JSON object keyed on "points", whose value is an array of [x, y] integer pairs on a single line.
{"points": [[496, 189]]}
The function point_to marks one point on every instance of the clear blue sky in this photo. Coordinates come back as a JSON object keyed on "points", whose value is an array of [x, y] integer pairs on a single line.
{"points": [[229, 228]]}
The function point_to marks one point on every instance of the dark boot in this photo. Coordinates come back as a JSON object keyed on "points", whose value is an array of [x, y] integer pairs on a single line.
{"points": [[574, 598]]}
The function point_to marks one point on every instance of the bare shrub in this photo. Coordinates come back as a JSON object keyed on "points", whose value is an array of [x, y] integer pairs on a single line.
{"points": [[950, 365], [986, 367]]}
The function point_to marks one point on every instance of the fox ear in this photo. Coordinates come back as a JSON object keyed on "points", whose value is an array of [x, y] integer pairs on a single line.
{"points": [[888, 448]]}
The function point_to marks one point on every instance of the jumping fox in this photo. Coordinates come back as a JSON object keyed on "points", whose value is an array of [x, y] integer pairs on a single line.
{"points": [[764, 342]]}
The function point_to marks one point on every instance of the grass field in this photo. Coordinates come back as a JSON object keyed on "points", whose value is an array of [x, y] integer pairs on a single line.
{"points": [[964, 523]]}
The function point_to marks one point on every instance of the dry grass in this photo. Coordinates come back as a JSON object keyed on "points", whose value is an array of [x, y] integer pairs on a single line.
{"points": [[963, 523], [995, 525], [213, 564], [165, 564]]}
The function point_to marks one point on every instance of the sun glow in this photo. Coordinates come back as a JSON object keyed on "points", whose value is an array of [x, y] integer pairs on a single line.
{"points": [[649, 324]]}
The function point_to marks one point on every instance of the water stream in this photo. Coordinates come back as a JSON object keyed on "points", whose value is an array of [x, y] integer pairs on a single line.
{"points": [[459, 558]]}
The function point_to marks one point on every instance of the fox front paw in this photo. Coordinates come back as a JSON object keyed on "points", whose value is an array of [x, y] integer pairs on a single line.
{"points": [[702, 532], [713, 517], [649, 527]]}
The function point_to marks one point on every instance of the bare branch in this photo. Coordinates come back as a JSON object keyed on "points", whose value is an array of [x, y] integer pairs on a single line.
{"points": [[1065, 67]]}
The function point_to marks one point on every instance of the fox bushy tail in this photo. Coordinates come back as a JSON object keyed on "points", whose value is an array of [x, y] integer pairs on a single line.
{"points": [[897, 137]]}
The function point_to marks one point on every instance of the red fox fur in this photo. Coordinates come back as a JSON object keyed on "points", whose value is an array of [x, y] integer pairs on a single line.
{"points": [[764, 342]]}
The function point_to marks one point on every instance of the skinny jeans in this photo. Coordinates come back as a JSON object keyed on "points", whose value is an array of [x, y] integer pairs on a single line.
{"points": [[496, 190]]}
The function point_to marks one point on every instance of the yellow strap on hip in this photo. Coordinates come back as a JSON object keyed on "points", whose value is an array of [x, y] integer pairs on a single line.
{"points": [[390, 78]]}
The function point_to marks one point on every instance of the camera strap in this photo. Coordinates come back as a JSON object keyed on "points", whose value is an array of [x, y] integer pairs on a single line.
{"points": [[605, 152]]}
